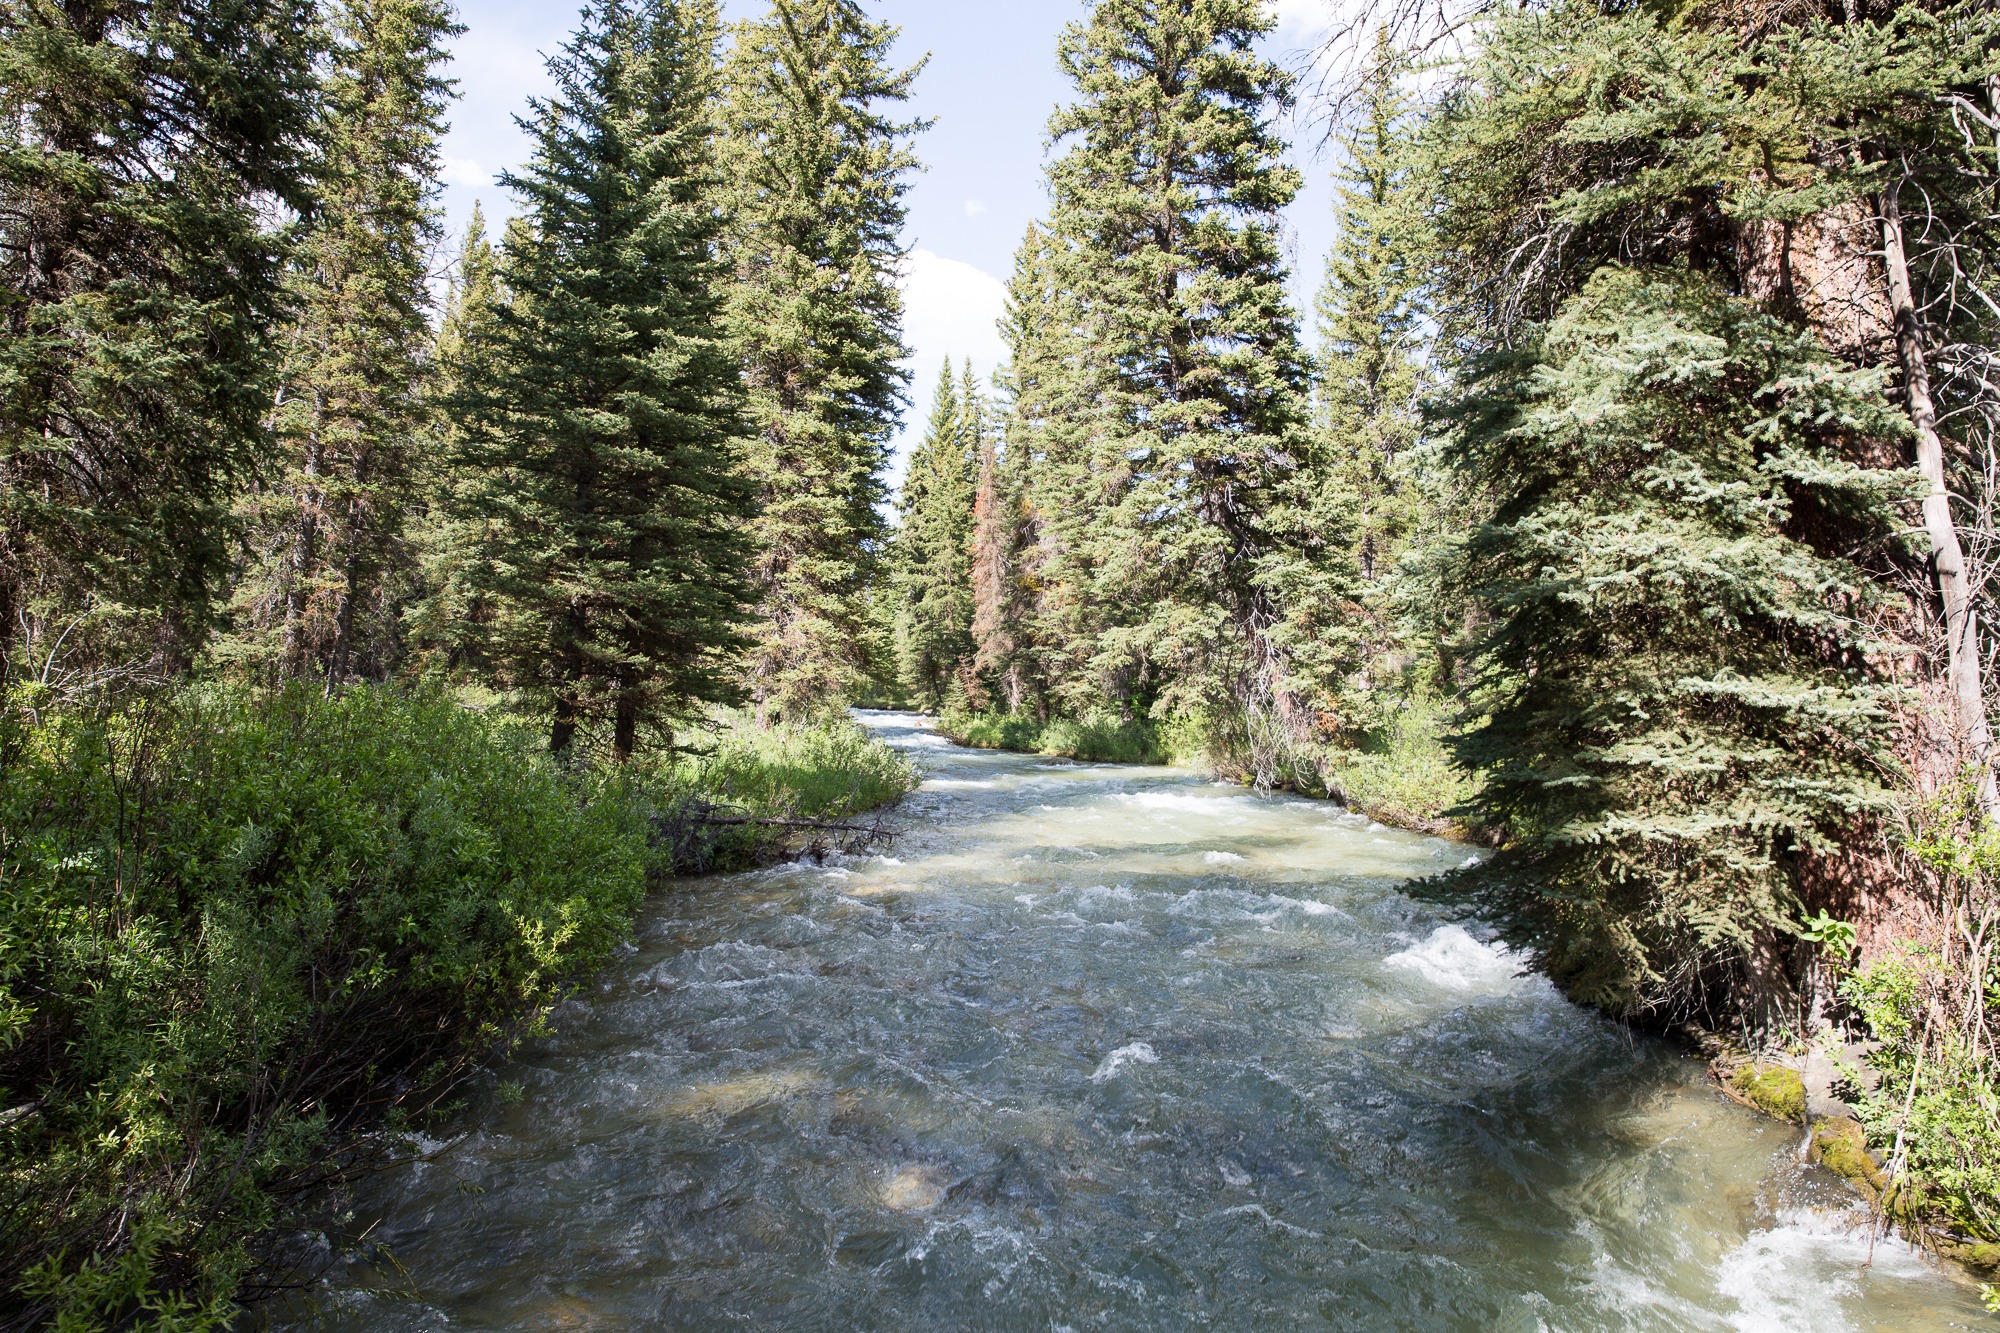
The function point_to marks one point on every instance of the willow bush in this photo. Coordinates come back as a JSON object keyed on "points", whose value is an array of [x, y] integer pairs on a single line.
{"points": [[235, 928]]}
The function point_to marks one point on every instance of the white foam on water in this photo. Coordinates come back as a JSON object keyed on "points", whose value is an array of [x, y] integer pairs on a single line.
{"points": [[1174, 800], [1801, 1273], [1223, 859], [1471, 861], [1306, 905], [1453, 959], [1138, 1052]]}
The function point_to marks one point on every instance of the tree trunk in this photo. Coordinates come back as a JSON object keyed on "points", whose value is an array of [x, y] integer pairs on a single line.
{"points": [[1947, 554], [625, 729]]}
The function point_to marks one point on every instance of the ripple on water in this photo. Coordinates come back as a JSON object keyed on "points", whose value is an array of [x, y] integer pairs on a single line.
{"points": [[1103, 1047]]}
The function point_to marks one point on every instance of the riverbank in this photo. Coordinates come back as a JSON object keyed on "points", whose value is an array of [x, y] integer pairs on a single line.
{"points": [[1100, 1045], [1839, 1100], [240, 930], [1399, 774]]}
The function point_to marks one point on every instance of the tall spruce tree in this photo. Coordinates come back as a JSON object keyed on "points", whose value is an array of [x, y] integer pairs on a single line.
{"points": [[1674, 693], [145, 146], [1354, 506], [328, 549], [819, 172], [447, 619], [1166, 209], [607, 425], [1041, 623], [1759, 158], [932, 576]]}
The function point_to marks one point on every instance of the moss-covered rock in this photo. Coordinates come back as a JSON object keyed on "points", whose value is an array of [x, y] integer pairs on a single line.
{"points": [[1840, 1144], [1776, 1090]]}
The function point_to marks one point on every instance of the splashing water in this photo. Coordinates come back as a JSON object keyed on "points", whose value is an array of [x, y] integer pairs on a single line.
{"points": [[1105, 1047]]}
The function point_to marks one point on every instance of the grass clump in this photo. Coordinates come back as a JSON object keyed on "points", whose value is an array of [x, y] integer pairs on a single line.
{"points": [[778, 782]]}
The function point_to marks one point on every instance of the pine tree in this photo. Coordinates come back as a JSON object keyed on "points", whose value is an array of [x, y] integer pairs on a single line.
{"points": [[1354, 506], [1043, 613], [932, 577], [1166, 213], [145, 144], [1674, 700], [448, 618], [815, 310], [327, 535], [607, 429]]}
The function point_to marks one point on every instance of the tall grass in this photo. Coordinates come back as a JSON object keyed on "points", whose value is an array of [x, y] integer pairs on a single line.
{"points": [[781, 783]]}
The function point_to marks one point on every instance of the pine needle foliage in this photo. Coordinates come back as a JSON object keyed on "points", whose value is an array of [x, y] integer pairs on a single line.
{"points": [[607, 428], [1166, 203], [818, 170], [1676, 695], [326, 531], [930, 562], [144, 146]]}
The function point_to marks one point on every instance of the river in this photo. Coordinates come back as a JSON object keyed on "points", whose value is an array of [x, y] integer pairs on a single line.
{"points": [[1105, 1047]]}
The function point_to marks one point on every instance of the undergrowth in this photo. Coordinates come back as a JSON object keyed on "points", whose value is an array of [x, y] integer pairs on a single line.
{"points": [[1099, 737], [240, 930]]}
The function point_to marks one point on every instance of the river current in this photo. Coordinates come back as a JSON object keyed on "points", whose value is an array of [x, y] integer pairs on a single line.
{"points": [[1105, 1047]]}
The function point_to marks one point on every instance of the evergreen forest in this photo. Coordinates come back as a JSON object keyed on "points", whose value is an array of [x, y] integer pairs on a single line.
{"points": [[384, 613]]}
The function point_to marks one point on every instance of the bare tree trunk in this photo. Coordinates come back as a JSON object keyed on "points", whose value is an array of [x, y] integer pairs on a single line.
{"points": [[1947, 555]]}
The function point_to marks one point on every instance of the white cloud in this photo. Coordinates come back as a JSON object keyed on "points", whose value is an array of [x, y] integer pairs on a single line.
{"points": [[974, 207], [950, 309], [1305, 18], [463, 171]]}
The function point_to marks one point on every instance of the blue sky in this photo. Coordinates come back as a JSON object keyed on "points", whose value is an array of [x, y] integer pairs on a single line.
{"points": [[990, 86]]}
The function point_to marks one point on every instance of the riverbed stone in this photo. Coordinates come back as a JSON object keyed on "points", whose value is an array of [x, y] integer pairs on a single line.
{"points": [[1776, 1090]]}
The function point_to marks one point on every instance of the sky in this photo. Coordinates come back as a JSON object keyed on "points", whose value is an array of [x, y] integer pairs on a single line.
{"points": [[990, 85]]}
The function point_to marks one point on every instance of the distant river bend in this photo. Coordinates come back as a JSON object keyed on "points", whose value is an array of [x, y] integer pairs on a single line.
{"points": [[1105, 1047]]}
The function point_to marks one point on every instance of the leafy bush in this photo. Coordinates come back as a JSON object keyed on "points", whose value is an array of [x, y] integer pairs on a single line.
{"points": [[778, 782], [1403, 775], [233, 929], [238, 929], [1102, 737]]}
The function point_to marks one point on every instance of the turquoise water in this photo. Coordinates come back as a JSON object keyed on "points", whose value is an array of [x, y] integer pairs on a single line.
{"points": [[1105, 1047]]}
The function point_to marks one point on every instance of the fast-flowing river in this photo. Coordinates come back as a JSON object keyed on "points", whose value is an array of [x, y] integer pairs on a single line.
{"points": [[1106, 1047]]}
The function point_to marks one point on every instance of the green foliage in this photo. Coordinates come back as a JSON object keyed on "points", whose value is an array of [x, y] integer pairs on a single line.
{"points": [[606, 426], [1403, 773], [319, 593], [1671, 700], [930, 573], [1099, 736], [794, 774], [233, 929], [818, 176], [1942, 1073], [139, 295]]}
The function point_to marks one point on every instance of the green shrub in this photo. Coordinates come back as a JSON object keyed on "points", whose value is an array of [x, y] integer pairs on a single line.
{"points": [[1403, 774], [780, 781], [1098, 736], [1943, 1075], [235, 929]]}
